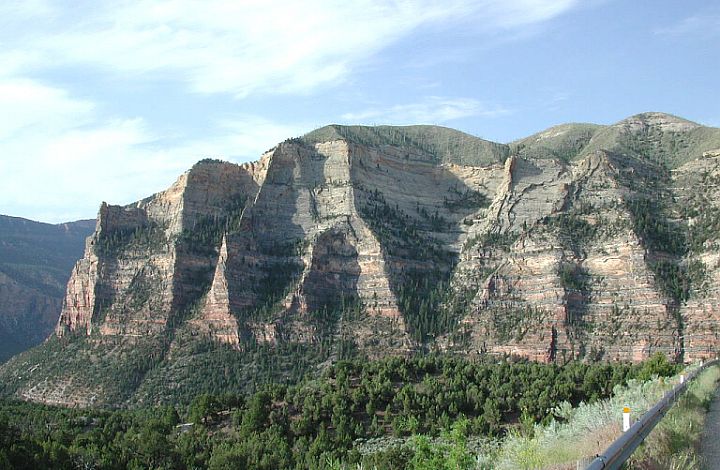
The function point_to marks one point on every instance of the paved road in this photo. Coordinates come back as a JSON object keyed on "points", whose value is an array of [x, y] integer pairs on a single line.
{"points": [[710, 445]]}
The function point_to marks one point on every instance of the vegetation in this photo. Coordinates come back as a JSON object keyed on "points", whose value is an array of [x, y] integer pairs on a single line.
{"points": [[204, 366], [497, 240], [577, 433], [566, 142], [319, 423], [675, 441], [702, 214], [430, 306], [573, 277], [670, 241], [280, 277], [513, 323], [206, 233], [658, 232], [465, 199], [652, 143], [673, 279], [440, 143], [94, 366], [403, 235], [205, 161], [425, 298], [145, 237], [573, 229]]}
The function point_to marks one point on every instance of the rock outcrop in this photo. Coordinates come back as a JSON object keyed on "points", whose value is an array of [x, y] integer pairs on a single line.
{"points": [[581, 242]]}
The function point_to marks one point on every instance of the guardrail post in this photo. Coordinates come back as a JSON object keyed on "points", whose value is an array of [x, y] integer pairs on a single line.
{"points": [[626, 419]]}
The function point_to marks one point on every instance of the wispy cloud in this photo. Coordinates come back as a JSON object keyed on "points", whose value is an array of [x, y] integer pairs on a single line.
{"points": [[61, 157], [63, 153], [515, 13], [432, 110], [29, 108], [554, 101], [239, 138], [272, 46], [702, 25]]}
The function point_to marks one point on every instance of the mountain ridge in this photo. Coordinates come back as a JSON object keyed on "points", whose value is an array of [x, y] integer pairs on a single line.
{"points": [[395, 240], [35, 264]]}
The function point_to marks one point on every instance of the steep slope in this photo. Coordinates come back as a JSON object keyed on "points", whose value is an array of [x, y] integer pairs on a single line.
{"points": [[440, 144], [600, 263], [578, 242], [564, 142], [565, 272], [662, 138], [35, 262], [696, 202]]}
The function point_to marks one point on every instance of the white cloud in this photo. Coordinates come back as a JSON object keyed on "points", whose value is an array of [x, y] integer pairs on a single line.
{"points": [[29, 107], [432, 110], [238, 139], [517, 13], [271, 46], [247, 137], [60, 159], [65, 161], [60, 154]]}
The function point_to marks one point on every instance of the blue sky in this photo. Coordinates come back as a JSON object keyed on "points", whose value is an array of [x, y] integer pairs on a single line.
{"points": [[111, 101]]}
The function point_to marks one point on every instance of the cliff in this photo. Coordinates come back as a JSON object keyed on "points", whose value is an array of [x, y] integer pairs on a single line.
{"points": [[581, 242]]}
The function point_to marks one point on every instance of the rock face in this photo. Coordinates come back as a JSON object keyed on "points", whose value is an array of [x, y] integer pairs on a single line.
{"points": [[35, 262], [149, 261], [581, 242]]}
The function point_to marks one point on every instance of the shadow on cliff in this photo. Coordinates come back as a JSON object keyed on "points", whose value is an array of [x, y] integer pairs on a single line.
{"points": [[265, 254], [330, 287], [415, 233]]}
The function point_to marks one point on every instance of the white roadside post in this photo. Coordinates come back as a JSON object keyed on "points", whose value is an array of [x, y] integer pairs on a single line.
{"points": [[626, 419], [682, 378]]}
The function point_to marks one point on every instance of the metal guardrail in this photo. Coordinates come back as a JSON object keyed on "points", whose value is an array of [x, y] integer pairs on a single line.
{"points": [[620, 450]]}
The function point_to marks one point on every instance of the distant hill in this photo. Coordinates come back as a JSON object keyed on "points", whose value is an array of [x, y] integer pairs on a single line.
{"points": [[35, 263]]}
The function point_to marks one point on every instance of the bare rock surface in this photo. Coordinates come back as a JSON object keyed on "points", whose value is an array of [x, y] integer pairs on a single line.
{"points": [[581, 242]]}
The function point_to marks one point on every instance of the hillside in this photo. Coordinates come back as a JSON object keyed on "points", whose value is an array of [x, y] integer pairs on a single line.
{"points": [[35, 263], [581, 242]]}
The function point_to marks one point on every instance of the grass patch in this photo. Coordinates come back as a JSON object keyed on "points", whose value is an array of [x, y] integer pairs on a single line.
{"points": [[578, 433], [675, 441]]}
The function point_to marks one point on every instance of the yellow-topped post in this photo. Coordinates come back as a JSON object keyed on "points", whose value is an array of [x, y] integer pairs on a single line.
{"points": [[626, 418]]}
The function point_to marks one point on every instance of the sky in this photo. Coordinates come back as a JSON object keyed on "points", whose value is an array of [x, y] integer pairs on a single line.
{"points": [[112, 101]]}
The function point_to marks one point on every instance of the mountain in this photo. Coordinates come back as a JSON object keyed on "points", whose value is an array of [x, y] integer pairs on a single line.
{"points": [[35, 264], [580, 242]]}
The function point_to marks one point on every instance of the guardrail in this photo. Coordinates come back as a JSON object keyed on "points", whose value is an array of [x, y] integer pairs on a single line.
{"points": [[620, 450]]}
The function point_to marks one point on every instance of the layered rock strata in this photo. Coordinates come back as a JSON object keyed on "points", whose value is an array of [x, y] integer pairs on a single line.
{"points": [[548, 248], [581, 242]]}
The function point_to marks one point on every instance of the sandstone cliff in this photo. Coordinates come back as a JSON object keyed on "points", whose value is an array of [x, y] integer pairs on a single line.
{"points": [[581, 242]]}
